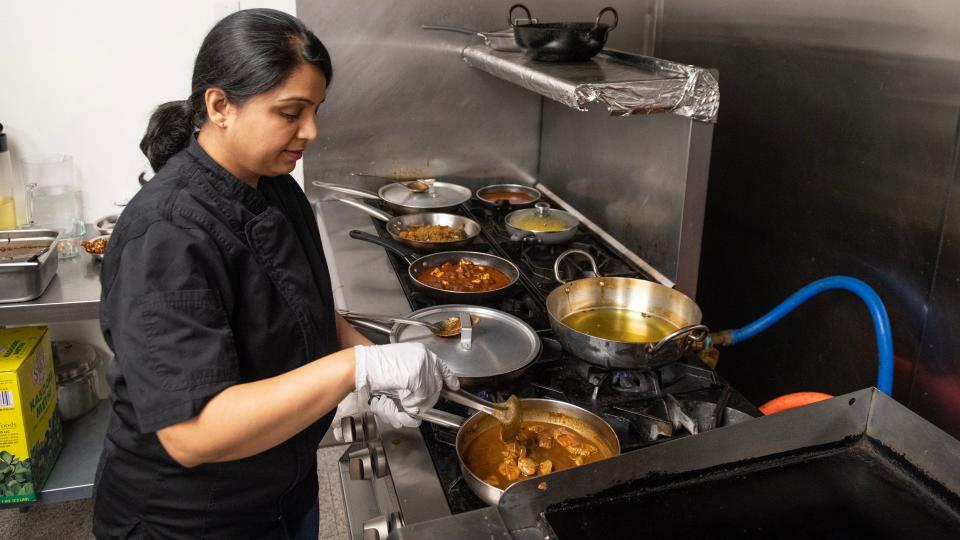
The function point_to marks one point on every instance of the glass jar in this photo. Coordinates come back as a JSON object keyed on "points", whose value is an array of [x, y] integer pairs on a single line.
{"points": [[54, 200]]}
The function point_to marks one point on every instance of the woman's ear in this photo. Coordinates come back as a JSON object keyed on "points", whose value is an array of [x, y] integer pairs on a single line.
{"points": [[218, 106]]}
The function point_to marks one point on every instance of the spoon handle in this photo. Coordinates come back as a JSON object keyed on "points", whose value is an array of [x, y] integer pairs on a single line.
{"points": [[469, 400], [387, 319]]}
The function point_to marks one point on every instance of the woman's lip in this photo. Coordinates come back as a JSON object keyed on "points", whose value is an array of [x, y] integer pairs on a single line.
{"points": [[296, 154]]}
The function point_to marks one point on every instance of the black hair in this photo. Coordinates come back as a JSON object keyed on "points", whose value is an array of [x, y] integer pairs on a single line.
{"points": [[245, 54]]}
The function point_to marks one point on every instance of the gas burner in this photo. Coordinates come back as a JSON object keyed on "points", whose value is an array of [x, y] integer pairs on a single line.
{"points": [[642, 383]]}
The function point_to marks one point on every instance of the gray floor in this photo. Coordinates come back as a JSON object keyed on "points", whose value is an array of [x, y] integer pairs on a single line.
{"points": [[73, 520]]}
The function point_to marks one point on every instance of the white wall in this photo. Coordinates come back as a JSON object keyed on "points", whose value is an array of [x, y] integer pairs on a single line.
{"points": [[81, 78]]}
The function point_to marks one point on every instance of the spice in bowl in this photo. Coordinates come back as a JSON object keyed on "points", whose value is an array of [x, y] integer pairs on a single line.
{"points": [[97, 246]]}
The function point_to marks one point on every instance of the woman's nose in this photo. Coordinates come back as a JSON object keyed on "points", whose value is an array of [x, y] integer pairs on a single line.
{"points": [[308, 129]]}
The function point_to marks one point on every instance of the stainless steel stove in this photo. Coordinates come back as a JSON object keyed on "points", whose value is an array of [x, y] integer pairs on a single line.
{"points": [[400, 477]]}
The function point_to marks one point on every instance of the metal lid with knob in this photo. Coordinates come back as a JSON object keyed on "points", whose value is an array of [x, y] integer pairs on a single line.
{"points": [[74, 359]]}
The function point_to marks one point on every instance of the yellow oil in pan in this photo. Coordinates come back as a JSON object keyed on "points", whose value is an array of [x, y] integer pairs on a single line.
{"points": [[618, 324]]}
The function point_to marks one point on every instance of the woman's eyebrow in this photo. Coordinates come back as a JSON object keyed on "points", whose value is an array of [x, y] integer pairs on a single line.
{"points": [[298, 98]]}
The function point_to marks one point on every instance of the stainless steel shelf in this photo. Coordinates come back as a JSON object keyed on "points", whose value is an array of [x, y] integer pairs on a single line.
{"points": [[74, 294], [73, 475], [625, 83]]}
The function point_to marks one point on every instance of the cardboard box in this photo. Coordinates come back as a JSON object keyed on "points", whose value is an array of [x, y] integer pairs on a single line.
{"points": [[31, 435]]}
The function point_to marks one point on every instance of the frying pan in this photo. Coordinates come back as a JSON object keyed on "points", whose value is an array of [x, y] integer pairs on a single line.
{"points": [[398, 224], [484, 192], [586, 424], [501, 40], [562, 41], [622, 294], [419, 264], [445, 196]]}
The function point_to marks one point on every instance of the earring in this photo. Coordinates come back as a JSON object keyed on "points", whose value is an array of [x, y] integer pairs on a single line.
{"points": [[223, 124]]}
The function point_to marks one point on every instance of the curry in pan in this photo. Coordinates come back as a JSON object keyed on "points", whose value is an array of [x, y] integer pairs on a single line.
{"points": [[540, 448], [464, 276]]}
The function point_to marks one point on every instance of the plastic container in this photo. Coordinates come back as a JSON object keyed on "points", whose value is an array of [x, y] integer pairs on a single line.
{"points": [[54, 199]]}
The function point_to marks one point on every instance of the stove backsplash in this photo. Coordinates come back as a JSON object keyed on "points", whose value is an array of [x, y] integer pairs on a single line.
{"points": [[403, 103]]}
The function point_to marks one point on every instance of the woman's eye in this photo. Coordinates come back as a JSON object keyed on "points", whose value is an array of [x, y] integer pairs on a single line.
{"points": [[290, 116]]}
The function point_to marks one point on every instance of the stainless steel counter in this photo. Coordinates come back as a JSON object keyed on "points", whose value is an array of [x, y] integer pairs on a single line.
{"points": [[364, 281], [74, 294]]}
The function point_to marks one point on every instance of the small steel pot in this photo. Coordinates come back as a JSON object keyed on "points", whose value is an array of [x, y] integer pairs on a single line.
{"points": [[80, 378], [398, 224], [521, 224]]}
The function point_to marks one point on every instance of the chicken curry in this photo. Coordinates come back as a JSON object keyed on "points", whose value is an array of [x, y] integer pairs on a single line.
{"points": [[464, 276], [540, 448]]}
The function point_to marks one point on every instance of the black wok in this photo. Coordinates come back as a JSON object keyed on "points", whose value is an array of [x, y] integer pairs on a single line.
{"points": [[562, 41], [419, 264], [397, 224]]}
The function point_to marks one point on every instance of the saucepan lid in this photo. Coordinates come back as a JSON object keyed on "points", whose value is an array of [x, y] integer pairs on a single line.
{"points": [[498, 344], [444, 194]]}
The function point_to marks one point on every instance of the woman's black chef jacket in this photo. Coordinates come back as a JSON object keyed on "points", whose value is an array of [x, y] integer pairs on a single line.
{"points": [[208, 283]]}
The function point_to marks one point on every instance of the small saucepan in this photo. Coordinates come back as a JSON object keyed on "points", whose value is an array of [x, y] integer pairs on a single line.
{"points": [[541, 224], [476, 430], [443, 196], [396, 225], [510, 196], [622, 323], [562, 41], [419, 265]]}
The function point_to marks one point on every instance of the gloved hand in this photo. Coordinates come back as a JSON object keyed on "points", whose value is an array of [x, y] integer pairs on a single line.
{"points": [[348, 407], [405, 370]]}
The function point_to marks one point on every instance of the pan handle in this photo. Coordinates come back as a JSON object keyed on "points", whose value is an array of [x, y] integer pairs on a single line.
{"points": [[616, 18], [694, 332], [442, 418], [457, 29], [348, 190], [407, 255], [389, 319], [377, 213], [556, 264], [371, 325], [510, 19]]}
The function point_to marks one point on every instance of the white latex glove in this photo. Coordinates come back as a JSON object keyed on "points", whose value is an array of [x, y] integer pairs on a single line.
{"points": [[348, 407], [405, 370], [387, 411]]}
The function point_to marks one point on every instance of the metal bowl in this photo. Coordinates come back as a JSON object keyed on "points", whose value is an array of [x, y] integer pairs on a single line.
{"points": [[96, 256]]}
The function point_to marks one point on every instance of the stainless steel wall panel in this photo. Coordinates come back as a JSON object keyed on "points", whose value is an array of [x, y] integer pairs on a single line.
{"points": [[833, 154], [403, 103], [629, 175]]}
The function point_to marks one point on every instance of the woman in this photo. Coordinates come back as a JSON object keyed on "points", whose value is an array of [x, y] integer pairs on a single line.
{"points": [[229, 357]]}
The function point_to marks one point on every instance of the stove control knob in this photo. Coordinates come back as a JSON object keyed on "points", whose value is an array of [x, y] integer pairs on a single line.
{"points": [[381, 526], [368, 463], [369, 427], [351, 430]]}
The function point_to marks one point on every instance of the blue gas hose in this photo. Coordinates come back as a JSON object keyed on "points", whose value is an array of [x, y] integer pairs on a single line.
{"points": [[881, 323]]}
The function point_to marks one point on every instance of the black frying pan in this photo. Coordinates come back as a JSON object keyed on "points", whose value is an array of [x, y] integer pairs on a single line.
{"points": [[419, 264], [562, 41]]}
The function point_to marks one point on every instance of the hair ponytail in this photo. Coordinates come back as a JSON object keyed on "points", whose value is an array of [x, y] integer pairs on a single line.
{"points": [[168, 132], [247, 53]]}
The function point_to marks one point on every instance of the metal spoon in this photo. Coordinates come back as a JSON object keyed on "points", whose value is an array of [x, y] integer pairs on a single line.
{"points": [[507, 413], [448, 327]]}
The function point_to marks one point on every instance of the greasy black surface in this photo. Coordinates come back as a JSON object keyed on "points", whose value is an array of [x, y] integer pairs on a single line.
{"points": [[847, 492]]}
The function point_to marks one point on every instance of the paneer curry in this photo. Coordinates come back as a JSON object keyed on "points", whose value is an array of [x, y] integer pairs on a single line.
{"points": [[540, 448], [464, 276]]}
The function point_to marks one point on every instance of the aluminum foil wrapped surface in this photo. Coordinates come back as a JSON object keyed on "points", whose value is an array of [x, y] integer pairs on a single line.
{"points": [[625, 83]]}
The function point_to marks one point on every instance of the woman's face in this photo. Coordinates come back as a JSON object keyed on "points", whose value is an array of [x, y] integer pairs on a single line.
{"points": [[267, 135]]}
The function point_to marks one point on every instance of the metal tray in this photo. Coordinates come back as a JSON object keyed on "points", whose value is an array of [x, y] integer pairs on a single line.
{"points": [[28, 262]]}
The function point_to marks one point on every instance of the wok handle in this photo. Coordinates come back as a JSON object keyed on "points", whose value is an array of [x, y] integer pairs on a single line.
{"points": [[441, 418], [510, 13], [379, 214], [367, 237], [348, 190], [565, 254], [694, 332], [616, 18]]}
